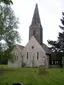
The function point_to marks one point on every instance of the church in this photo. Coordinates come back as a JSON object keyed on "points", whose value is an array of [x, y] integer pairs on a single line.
{"points": [[35, 53]]}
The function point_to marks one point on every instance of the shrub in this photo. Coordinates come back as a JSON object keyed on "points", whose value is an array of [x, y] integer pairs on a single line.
{"points": [[23, 64]]}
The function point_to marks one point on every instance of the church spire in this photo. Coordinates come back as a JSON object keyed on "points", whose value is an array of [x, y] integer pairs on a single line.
{"points": [[36, 18], [35, 28]]}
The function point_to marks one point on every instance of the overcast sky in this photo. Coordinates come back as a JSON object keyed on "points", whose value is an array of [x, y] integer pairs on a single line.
{"points": [[50, 13]]}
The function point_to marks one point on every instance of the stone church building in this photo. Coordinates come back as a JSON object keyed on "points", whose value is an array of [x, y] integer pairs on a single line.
{"points": [[35, 53]]}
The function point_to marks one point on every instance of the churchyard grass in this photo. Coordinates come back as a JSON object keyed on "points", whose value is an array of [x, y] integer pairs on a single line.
{"points": [[31, 76]]}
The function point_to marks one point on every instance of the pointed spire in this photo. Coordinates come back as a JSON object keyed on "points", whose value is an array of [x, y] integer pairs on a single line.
{"points": [[36, 18]]}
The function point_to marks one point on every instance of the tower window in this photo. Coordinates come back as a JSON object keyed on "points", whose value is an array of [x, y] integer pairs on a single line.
{"points": [[27, 55], [34, 32], [37, 55]]}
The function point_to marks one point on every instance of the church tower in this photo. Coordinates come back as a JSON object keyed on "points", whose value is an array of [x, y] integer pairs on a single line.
{"points": [[35, 28]]}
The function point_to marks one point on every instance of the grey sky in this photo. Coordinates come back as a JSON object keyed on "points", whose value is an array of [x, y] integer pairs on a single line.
{"points": [[50, 13]]}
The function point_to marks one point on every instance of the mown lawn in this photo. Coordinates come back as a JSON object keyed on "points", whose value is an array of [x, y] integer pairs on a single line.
{"points": [[31, 76]]}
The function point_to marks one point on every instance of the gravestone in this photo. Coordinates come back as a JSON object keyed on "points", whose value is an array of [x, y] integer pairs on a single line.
{"points": [[1, 70], [42, 69]]}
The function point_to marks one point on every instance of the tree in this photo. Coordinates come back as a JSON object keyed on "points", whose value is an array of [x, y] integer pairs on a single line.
{"points": [[8, 2], [8, 31], [58, 46]]}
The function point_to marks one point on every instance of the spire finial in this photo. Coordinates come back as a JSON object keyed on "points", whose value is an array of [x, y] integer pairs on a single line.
{"points": [[36, 18]]}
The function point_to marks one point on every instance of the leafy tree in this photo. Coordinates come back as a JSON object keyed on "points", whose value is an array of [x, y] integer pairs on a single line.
{"points": [[8, 2], [8, 31], [58, 46]]}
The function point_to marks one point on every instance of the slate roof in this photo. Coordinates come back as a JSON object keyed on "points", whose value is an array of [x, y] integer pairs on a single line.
{"points": [[21, 47], [45, 47]]}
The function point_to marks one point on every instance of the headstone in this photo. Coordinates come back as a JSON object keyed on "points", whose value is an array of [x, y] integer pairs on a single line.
{"points": [[42, 69], [17, 84], [1, 70]]}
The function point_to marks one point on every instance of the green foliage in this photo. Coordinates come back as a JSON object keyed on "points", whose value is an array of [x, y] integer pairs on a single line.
{"points": [[58, 45], [8, 25], [23, 64], [8, 2], [8, 31], [62, 60]]}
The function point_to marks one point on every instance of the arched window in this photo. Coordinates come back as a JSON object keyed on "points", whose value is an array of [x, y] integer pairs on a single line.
{"points": [[27, 55], [37, 55]]}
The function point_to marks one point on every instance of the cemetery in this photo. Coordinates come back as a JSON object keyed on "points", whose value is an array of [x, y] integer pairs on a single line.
{"points": [[32, 76]]}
